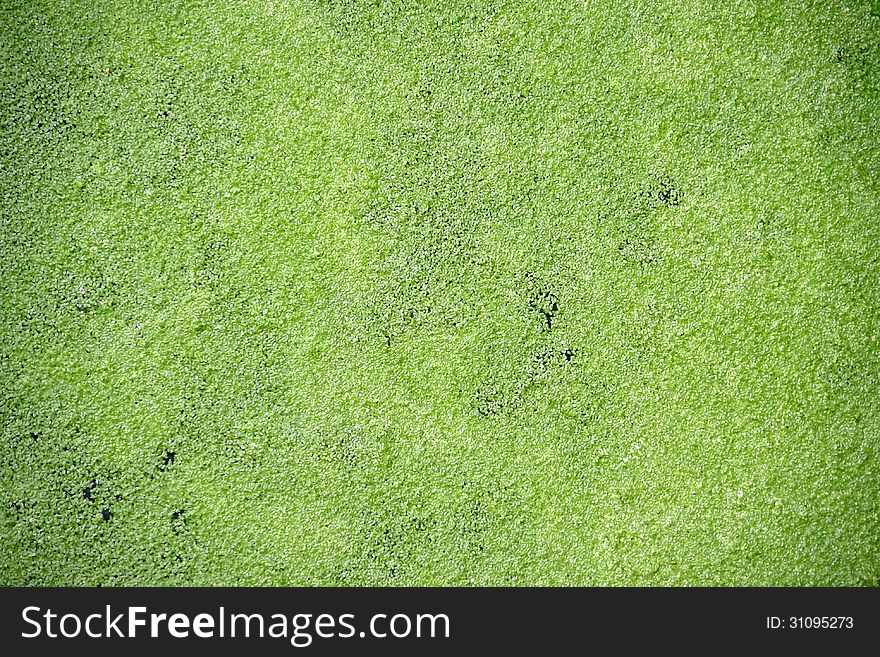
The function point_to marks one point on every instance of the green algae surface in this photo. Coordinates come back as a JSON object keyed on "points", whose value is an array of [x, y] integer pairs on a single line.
{"points": [[392, 292]]}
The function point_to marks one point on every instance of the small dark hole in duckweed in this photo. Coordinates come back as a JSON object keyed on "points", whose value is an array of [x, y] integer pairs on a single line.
{"points": [[548, 358], [88, 491], [663, 191], [168, 459], [543, 358], [178, 519], [489, 403], [546, 304], [106, 514]]}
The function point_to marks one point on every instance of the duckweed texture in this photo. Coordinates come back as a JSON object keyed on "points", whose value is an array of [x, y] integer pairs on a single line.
{"points": [[392, 292]]}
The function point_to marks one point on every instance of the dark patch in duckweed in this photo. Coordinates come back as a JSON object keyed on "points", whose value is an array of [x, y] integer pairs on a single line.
{"points": [[542, 301], [663, 191], [89, 491], [92, 292], [178, 520], [547, 358], [483, 506], [167, 459], [490, 401], [394, 542]]}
